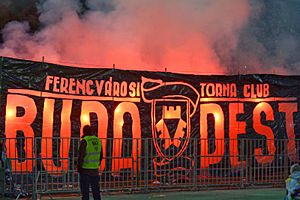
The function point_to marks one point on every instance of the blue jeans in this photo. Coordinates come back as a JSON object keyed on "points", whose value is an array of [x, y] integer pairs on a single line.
{"points": [[85, 181]]}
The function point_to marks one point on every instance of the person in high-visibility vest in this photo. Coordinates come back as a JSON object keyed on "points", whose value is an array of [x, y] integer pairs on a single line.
{"points": [[293, 183], [89, 159]]}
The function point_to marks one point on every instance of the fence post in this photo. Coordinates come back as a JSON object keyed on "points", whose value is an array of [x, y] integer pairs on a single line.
{"points": [[146, 164], [286, 159], [1, 79], [2, 170], [138, 159], [250, 160], [243, 167], [34, 170], [2, 173], [195, 164]]}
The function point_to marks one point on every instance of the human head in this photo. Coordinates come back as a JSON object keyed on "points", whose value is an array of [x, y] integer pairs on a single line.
{"points": [[87, 130], [127, 117], [295, 168]]}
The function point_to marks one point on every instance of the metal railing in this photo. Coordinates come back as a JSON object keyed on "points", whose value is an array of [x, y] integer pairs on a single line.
{"points": [[46, 166]]}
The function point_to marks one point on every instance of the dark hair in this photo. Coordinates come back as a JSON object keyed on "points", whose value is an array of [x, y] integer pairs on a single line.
{"points": [[87, 130], [295, 168]]}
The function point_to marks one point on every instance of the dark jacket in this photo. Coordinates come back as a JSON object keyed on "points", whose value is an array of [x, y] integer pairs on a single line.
{"points": [[81, 154]]}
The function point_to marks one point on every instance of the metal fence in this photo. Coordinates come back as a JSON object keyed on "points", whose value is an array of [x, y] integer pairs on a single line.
{"points": [[48, 165]]}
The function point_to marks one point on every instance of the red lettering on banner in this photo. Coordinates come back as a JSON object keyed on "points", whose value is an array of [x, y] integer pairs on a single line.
{"points": [[120, 162], [49, 81], [289, 109], [108, 87], [55, 83], [138, 90], [71, 86], [14, 123], [264, 130], [202, 86], [253, 94], [92, 92], [215, 157], [123, 89], [99, 85], [235, 128], [80, 86], [226, 89], [116, 89], [89, 91], [210, 90], [219, 90], [47, 137], [246, 91], [256, 90], [64, 85], [92, 87], [266, 90], [132, 87]]}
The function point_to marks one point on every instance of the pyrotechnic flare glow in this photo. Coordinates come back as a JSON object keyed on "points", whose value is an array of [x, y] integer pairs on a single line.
{"points": [[133, 34]]}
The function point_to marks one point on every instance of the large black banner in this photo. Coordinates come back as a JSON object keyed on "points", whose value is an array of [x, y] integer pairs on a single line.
{"points": [[46, 100]]}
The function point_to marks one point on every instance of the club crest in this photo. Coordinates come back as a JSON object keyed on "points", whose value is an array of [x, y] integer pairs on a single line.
{"points": [[170, 127], [170, 115]]}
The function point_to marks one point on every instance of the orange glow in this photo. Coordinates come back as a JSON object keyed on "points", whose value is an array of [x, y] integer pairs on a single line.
{"points": [[118, 110], [217, 117], [215, 157], [262, 106], [141, 29], [46, 105], [85, 118], [289, 109], [47, 135], [268, 99], [264, 130], [235, 128], [119, 162], [10, 113], [23, 123], [68, 96]]}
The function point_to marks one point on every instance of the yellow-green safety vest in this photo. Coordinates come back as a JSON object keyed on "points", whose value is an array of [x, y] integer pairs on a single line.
{"points": [[91, 159]]}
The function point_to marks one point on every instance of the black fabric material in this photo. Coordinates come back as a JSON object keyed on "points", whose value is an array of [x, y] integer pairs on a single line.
{"points": [[29, 79]]}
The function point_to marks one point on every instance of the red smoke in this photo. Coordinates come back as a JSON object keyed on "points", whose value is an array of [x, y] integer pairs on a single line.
{"points": [[137, 34]]}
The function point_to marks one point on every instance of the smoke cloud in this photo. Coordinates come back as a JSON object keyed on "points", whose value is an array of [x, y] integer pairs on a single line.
{"points": [[190, 36], [134, 34]]}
